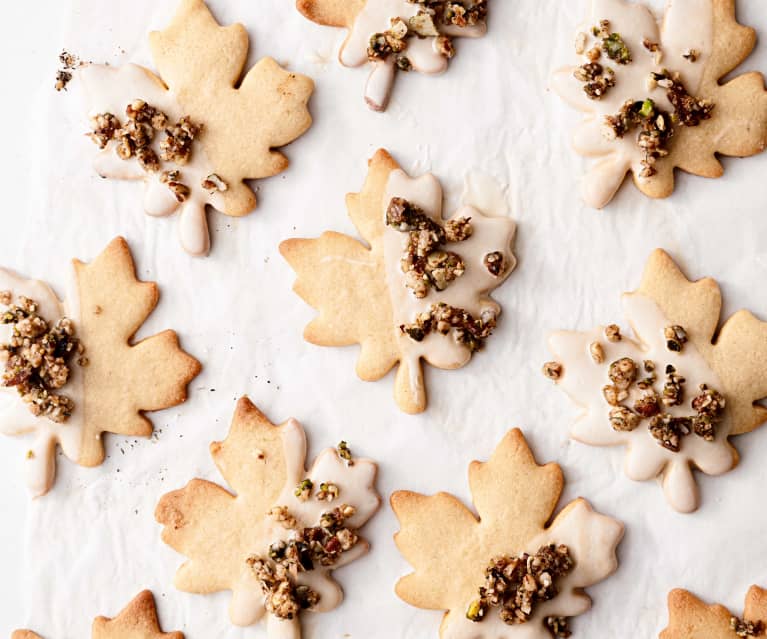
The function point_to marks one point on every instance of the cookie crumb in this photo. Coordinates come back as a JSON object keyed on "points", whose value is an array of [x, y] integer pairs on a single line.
{"points": [[613, 333]]}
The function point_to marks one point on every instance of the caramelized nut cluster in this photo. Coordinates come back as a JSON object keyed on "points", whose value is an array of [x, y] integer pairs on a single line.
{"points": [[38, 358], [516, 585], [322, 545]]}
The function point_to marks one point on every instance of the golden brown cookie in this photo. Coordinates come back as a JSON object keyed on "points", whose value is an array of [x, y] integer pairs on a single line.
{"points": [[690, 618], [654, 98], [197, 132], [276, 541], [455, 553], [675, 390], [396, 296], [138, 620], [110, 384], [397, 35]]}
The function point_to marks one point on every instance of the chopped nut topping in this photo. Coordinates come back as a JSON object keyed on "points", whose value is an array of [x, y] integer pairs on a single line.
{"points": [[516, 585], [676, 338], [214, 183], [652, 47], [596, 78], [673, 389], [345, 453], [558, 627], [688, 110], [458, 229], [327, 492], [623, 373], [304, 490], [282, 516], [37, 358], [432, 16], [494, 263], [648, 405], [669, 430], [597, 352], [613, 333], [69, 62], [552, 370], [655, 130], [6, 297], [612, 43], [424, 263], [444, 46], [105, 127], [443, 318], [177, 145], [323, 544], [614, 395], [747, 628], [623, 419], [691, 55]]}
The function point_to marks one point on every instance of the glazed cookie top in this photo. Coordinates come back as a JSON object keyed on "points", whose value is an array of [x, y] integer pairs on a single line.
{"points": [[652, 96], [674, 391], [199, 130], [398, 35], [275, 543], [422, 289]]}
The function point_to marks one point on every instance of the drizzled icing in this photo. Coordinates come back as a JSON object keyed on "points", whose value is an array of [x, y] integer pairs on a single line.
{"points": [[583, 380], [356, 488], [688, 24], [15, 418], [109, 90], [423, 53], [590, 537], [469, 292]]}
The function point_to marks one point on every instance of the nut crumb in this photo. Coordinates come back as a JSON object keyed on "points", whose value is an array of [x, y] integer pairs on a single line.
{"points": [[553, 370]]}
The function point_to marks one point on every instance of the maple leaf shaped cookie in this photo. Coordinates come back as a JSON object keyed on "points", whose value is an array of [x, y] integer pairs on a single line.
{"points": [[240, 122], [397, 35], [450, 548], [690, 618], [113, 386], [365, 296], [254, 542], [138, 620], [676, 391], [653, 97]]}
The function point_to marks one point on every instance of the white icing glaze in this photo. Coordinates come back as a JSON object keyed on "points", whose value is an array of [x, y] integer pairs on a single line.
{"points": [[688, 24], [591, 539], [583, 380], [356, 488], [109, 90], [470, 291], [423, 53], [15, 418]]}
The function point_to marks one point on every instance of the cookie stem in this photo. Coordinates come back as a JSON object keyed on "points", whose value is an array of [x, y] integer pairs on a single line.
{"points": [[277, 628], [409, 389], [379, 84]]}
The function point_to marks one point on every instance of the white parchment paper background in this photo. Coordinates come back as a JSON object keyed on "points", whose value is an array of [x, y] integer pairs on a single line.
{"points": [[92, 544]]}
